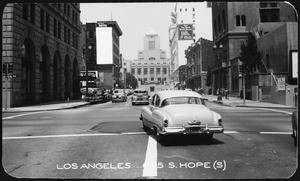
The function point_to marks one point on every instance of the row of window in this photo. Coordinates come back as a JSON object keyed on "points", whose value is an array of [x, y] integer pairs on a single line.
{"points": [[161, 80], [150, 63], [185, 9], [158, 71], [45, 24]]}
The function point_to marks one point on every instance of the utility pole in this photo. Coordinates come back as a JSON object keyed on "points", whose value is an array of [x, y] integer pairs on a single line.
{"points": [[244, 90]]}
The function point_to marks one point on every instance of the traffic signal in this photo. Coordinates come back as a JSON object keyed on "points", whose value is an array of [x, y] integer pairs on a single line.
{"points": [[243, 69], [4, 69], [10, 68]]}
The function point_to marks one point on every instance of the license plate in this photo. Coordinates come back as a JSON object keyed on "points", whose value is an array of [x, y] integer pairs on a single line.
{"points": [[194, 129]]}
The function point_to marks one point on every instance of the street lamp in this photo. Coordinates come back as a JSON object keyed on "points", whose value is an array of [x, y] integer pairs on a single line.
{"points": [[218, 49], [86, 75]]}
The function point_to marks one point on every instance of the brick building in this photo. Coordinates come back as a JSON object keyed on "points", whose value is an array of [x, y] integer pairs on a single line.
{"points": [[42, 41]]}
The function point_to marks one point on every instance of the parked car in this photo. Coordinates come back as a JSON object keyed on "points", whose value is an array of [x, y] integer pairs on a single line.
{"points": [[180, 112], [294, 126], [140, 96], [102, 96], [119, 95]]}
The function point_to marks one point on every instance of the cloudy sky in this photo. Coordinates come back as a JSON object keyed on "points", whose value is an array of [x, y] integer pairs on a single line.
{"points": [[134, 19]]}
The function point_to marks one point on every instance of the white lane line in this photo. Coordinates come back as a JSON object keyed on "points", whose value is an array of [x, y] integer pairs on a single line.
{"points": [[230, 132], [19, 115], [275, 132], [274, 110], [150, 164], [71, 135]]}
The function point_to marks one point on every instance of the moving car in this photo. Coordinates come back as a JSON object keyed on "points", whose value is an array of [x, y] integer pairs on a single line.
{"points": [[140, 96], [294, 126], [180, 112], [119, 95]]}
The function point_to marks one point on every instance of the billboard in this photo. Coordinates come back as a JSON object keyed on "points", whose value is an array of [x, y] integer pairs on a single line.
{"points": [[185, 32], [104, 44]]}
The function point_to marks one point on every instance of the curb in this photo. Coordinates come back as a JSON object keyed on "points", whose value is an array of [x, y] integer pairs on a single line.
{"points": [[270, 107], [50, 109]]}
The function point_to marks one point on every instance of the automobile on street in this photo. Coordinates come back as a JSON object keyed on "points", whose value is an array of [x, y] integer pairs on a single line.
{"points": [[180, 112]]}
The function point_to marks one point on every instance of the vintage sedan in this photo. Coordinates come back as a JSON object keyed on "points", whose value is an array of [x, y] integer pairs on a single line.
{"points": [[119, 95], [180, 112], [140, 96]]}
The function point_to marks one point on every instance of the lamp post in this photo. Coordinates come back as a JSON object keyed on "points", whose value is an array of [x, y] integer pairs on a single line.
{"points": [[218, 49], [86, 75]]}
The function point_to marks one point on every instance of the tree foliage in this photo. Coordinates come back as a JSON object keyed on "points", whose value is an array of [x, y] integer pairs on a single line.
{"points": [[131, 81], [249, 55]]}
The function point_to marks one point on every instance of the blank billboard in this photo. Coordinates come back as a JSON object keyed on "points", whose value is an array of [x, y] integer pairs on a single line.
{"points": [[104, 45]]}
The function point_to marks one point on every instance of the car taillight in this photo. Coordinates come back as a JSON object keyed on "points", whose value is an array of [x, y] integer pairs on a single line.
{"points": [[220, 122], [166, 123]]}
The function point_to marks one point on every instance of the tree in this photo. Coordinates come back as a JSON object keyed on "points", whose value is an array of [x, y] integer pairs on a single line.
{"points": [[249, 55], [131, 81]]}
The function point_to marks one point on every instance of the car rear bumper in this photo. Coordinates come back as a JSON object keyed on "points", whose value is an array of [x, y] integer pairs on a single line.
{"points": [[140, 102], [192, 130]]}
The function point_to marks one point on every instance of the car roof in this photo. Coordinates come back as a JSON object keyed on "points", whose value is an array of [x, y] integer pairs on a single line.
{"points": [[139, 89], [177, 93]]}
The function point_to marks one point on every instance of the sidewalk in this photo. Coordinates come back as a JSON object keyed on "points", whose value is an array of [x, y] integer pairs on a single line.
{"points": [[50, 106], [238, 102]]}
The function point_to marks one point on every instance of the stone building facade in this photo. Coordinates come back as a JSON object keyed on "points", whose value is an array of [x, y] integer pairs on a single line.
{"points": [[152, 66], [42, 41], [232, 23]]}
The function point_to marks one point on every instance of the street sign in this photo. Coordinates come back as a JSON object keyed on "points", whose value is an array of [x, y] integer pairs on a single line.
{"points": [[281, 83]]}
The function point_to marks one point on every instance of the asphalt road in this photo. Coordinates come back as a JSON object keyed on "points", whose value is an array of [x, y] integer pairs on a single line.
{"points": [[107, 141]]}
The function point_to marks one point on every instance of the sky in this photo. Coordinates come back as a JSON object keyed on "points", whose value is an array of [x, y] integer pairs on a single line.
{"points": [[134, 19]]}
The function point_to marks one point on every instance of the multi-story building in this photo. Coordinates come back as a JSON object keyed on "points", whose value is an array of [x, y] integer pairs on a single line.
{"points": [[42, 42], [199, 59], [187, 26], [233, 22], [152, 66], [102, 53]]}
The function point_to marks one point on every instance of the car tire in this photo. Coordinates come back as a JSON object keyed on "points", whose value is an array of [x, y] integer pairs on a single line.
{"points": [[295, 137], [160, 138], [133, 103], [208, 137]]}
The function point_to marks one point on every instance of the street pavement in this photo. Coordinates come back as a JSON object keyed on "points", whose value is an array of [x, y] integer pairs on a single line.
{"points": [[231, 101]]}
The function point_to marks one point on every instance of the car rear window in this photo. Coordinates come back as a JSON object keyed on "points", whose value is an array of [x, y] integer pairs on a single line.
{"points": [[182, 100]]}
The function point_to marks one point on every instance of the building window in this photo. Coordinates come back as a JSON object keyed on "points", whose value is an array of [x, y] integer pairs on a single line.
{"points": [[151, 71], [159, 79], [145, 71], [151, 45], [185, 9], [91, 34], [152, 78], [268, 61], [219, 23], [243, 20], [180, 9], [157, 71], [55, 27], [25, 11], [32, 13], [215, 27], [274, 18], [47, 23], [69, 42], [133, 71], [42, 19], [59, 30], [145, 80], [237, 20], [65, 34], [193, 9], [139, 71], [224, 18], [164, 71]]}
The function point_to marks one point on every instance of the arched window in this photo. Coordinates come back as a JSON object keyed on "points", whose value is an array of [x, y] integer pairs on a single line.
{"points": [[237, 19], [243, 20]]}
